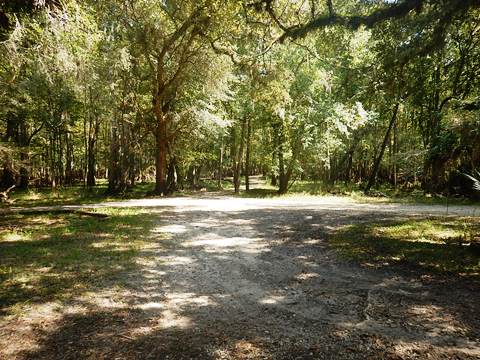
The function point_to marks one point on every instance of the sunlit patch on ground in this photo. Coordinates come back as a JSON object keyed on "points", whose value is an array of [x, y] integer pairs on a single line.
{"points": [[272, 299], [306, 276], [174, 229], [233, 279], [213, 240], [437, 244]]}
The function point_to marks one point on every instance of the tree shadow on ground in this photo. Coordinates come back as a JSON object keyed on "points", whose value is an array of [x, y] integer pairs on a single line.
{"points": [[264, 283], [438, 245], [49, 257]]}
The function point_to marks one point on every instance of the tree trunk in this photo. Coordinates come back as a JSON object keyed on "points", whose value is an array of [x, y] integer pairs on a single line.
{"points": [[91, 159], [161, 155], [69, 159], [273, 180], [395, 153], [24, 157], [8, 176], [238, 159], [131, 169], [91, 163], [113, 174], [247, 155], [172, 175], [376, 165], [220, 165], [283, 183]]}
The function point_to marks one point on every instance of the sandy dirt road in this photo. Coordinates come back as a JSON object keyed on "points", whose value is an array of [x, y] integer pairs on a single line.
{"points": [[230, 278]]}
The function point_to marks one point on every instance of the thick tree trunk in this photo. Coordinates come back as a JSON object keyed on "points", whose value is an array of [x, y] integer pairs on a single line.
{"points": [[12, 128], [24, 173], [8, 176], [376, 165]]}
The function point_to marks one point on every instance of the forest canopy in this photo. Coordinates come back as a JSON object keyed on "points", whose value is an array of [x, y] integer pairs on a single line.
{"points": [[362, 92]]}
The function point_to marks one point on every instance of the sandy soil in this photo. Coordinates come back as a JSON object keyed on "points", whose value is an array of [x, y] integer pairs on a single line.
{"points": [[230, 278]]}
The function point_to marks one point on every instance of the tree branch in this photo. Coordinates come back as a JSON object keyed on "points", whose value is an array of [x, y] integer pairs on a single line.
{"points": [[394, 11]]}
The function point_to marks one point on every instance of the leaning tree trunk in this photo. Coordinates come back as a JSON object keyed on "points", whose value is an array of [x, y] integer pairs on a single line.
{"points": [[376, 165]]}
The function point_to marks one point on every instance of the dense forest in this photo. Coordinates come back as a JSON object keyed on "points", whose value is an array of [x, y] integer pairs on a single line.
{"points": [[362, 92]]}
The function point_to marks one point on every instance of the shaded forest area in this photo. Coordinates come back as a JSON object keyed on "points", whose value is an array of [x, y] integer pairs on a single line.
{"points": [[360, 92]]}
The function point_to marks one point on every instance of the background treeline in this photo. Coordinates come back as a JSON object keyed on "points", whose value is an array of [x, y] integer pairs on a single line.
{"points": [[171, 91]]}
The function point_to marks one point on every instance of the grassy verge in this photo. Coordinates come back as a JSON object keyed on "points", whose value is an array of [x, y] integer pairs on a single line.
{"points": [[262, 189], [434, 244], [382, 194], [72, 195], [80, 195], [57, 257]]}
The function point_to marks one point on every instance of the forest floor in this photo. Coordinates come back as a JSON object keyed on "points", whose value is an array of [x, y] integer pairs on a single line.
{"points": [[221, 277]]}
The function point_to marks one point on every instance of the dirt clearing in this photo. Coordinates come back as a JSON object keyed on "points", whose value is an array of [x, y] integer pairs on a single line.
{"points": [[229, 278]]}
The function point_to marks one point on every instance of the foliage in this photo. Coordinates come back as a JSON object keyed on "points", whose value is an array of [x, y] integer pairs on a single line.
{"points": [[136, 91], [435, 245]]}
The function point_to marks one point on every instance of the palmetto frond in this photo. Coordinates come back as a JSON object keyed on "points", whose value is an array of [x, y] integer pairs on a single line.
{"points": [[476, 181]]}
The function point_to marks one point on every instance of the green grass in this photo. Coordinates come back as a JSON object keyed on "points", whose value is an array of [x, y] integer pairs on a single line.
{"points": [[263, 189], [56, 257], [383, 194], [306, 188], [434, 244], [78, 194], [72, 195], [206, 185]]}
